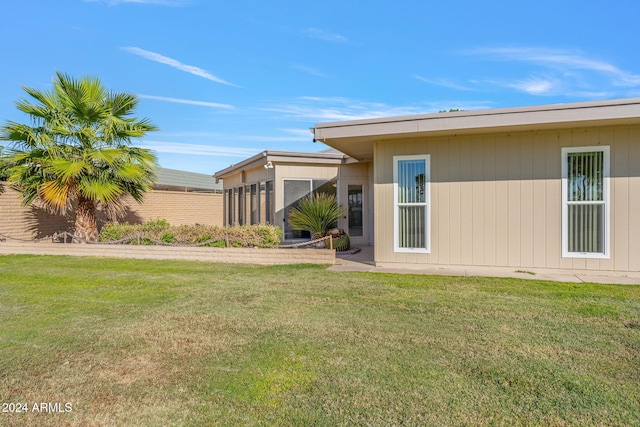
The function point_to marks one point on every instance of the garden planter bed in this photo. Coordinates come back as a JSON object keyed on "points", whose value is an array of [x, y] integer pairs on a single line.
{"points": [[226, 255]]}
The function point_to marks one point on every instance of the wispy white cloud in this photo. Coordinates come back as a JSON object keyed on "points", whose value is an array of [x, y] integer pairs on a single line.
{"points": [[187, 101], [309, 70], [300, 133], [560, 72], [444, 83], [319, 34], [318, 109], [562, 60], [535, 86], [191, 69], [198, 149], [289, 135]]}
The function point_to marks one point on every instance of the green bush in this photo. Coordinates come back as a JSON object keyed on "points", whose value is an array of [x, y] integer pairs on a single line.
{"points": [[342, 243], [341, 240], [316, 214], [157, 225], [262, 236]]}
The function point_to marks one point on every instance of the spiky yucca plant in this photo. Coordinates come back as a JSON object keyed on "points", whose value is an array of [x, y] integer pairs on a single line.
{"points": [[316, 214], [78, 150]]}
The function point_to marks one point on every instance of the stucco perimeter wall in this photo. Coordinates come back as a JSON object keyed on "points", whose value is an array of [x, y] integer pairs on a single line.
{"points": [[496, 199], [177, 208], [223, 255]]}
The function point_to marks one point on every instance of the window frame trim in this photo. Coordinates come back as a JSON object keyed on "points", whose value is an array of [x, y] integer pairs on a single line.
{"points": [[606, 188], [427, 204]]}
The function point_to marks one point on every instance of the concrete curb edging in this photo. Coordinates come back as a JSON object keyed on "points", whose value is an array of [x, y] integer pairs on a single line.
{"points": [[222, 255]]}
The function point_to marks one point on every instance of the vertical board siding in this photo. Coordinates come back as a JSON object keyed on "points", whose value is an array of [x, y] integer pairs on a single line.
{"points": [[466, 203], [489, 208], [632, 137], [496, 199], [441, 204], [477, 219], [502, 201], [513, 224], [526, 200], [619, 191], [539, 210], [553, 199], [455, 234]]}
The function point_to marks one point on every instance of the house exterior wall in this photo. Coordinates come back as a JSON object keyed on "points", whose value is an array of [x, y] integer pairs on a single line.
{"points": [[177, 208], [357, 174], [345, 174], [496, 199], [244, 178], [251, 176]]}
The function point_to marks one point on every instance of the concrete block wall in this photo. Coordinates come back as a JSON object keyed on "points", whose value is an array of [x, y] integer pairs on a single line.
{"points": [[177, 208], [28, 223]]}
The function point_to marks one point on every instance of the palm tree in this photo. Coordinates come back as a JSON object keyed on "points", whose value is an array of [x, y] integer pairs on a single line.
{"points": [[77, 150]]}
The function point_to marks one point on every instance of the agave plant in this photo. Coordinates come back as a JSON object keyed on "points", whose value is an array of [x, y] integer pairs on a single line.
{"points": [[316, 214]]}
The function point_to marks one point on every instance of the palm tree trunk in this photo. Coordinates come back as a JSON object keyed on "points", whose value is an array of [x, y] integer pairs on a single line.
{"points": [[86, 227]]}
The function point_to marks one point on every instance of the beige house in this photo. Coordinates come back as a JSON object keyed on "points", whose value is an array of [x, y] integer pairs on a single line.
{"points": [[264, 188], [548, 187]]}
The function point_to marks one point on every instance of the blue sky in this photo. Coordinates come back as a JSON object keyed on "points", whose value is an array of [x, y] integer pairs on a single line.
{"points": [[227, 79]]}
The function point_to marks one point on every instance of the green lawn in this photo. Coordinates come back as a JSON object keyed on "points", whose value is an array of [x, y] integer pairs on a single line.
{"points": [[164, 343]]}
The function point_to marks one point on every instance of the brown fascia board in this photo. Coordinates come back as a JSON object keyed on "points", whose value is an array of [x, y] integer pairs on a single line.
{"points": [[503, 119], [282, 157]]}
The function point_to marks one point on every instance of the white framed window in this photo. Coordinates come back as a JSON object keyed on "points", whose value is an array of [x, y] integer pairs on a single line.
{"points": [[411, 200], [585, 202]]}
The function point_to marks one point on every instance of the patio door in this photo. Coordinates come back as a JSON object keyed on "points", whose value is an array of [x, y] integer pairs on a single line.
{"points": [[354, 211], [293, 191], [355, 220]]}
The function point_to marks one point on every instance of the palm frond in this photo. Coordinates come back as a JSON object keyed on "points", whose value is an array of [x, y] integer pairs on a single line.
{"points": [[99, 189], [54, 194], [110, 156], [68, 169]]}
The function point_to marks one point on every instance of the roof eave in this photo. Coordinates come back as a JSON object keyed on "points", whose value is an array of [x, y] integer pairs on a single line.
{"points": [[281, 157], [355, 138]]}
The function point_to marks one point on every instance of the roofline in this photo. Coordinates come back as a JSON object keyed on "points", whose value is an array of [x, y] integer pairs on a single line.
{"points": [[484, 112], [356, 137], [281, 156]]}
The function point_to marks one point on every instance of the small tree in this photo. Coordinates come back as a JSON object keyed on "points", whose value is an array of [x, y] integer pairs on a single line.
{"points": [[78, 150], [316, 214]]}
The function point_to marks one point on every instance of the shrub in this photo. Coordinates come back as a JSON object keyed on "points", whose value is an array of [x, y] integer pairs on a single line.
{"points": [[157, 225], [262, 236], [316, 214], [342, 243], [341, 240]]}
